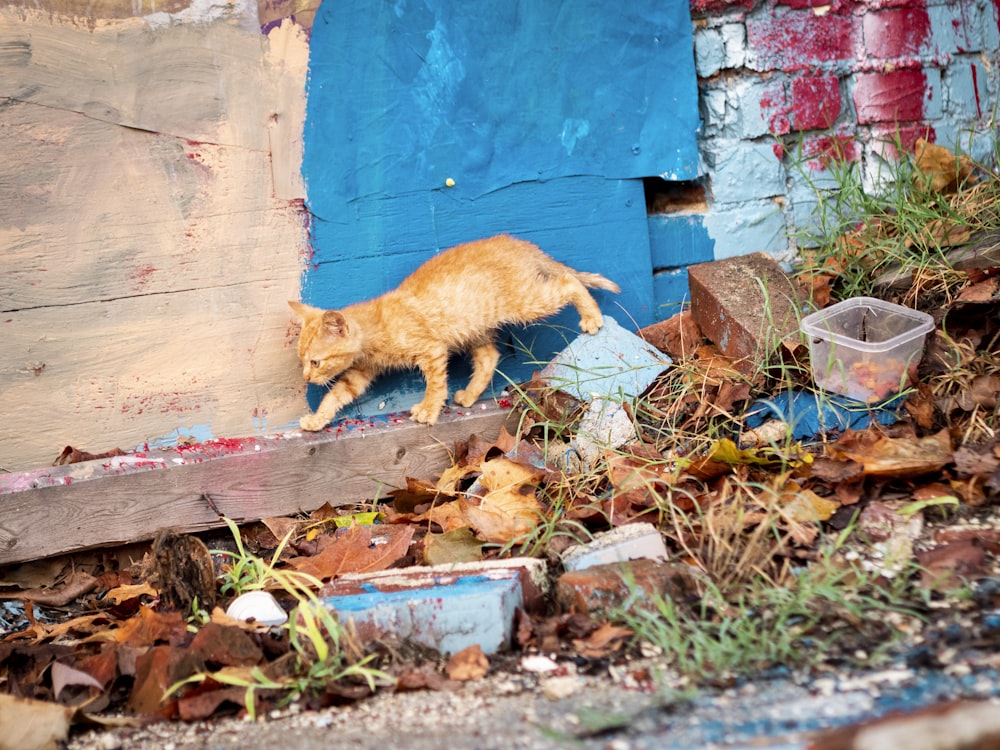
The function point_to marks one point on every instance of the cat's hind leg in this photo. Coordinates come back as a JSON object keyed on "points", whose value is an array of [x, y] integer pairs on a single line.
{"points": [[575, 293], [434, 367], [484, 363]]}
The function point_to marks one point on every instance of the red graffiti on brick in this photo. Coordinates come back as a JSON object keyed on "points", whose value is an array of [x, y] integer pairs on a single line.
{"points": [[774, 107], [897, 141], [799, 40], [822, 150], [897, 32], [815, 102], [894, 96]]}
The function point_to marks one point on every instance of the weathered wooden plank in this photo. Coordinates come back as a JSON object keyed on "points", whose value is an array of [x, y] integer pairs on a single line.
{"points": [[150, 238], [50, 511]]}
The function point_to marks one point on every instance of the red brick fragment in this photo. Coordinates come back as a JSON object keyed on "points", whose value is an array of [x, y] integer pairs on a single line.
{"points": [[604, 587], [745, 305]]}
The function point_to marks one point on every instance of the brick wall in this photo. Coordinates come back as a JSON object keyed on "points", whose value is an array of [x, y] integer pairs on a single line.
{"points": [[786, 83]]}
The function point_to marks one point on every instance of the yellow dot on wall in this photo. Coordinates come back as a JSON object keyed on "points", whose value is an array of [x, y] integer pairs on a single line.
{"points": [[449, 182]]}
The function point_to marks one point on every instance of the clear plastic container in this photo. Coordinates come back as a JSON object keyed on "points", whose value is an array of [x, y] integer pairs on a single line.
{"points": [[864, 348]]}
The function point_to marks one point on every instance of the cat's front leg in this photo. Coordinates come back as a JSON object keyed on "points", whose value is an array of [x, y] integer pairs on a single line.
{"points": [[435, 371], [348, 387]]}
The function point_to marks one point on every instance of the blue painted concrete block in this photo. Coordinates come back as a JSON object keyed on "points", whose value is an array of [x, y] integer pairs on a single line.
{"points": [[446, 607], [612, 363]]}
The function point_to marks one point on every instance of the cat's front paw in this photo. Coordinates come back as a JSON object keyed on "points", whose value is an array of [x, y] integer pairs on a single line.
{"points": [[423, 413], [464, 398], [313, 422], [591, 324]]}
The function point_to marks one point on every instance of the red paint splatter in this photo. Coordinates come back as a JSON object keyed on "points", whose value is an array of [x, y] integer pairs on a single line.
{"points": [[799, 39], [815, 102], [821, 151], [975, 89], [897, 32], [894, 96]]}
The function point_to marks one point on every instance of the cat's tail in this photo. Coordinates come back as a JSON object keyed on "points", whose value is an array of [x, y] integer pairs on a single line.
{"points": [[596, 281]]}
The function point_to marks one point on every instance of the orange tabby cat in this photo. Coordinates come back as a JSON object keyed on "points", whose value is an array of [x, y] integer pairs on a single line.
{"points": [[454, 301]]}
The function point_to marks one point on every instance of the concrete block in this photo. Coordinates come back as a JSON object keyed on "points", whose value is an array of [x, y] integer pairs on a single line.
{"points": [[745, 228], [709, 52], [633, 541], [734, 163], [960, 28], [613, 363], [624, 584], [712, 104], [746, 97], [606, 425], [746, 305], [446, 607], [965, 89]]}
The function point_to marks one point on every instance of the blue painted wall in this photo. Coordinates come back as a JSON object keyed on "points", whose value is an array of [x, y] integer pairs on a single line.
{"points": [[545, 114]]}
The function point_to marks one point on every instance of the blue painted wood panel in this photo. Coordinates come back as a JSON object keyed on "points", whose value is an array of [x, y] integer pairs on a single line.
{"points": [[403, 96], [590, 223], [679, 239], [430, 123]]}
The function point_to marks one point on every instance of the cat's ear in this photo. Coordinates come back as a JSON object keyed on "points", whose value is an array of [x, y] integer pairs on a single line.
{"points": [[305, 312], [334, 323]]}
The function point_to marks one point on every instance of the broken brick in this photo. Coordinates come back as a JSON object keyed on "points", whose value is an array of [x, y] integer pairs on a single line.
{"points": [[746, 305], [605, 587]]}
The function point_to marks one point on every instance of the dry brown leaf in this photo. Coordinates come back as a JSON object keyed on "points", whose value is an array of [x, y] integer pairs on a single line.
{"points": [[942, 171], [468, 664], [358, 549], [75, 586], [505, 514], [805, 506], [982, 291], [121, 594], [63, 675], [448, 484], [281, 527], [900, 458], [677, 336], [33, 725], [71, 455]]}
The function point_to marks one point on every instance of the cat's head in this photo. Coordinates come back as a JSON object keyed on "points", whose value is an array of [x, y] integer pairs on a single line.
{"points": [[329, 342]]}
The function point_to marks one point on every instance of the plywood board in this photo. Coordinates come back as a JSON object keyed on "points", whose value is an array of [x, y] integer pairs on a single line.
{"points": [[129, 498], [151, 234]]}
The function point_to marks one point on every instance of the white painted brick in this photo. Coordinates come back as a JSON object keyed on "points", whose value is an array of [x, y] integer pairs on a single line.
{"points": [[744, 171], [709, 52], [747, 228], [734, 41], [633, 541]]}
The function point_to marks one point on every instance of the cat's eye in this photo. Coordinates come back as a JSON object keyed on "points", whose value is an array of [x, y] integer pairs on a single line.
{"points": [[314, 363]]}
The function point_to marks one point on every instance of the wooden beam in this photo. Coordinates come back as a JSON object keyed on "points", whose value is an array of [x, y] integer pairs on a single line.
{"points": [[129, 498]]}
